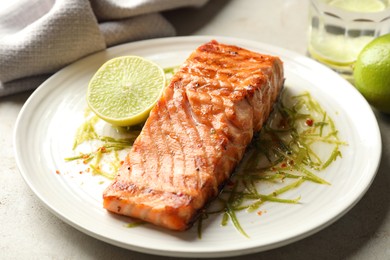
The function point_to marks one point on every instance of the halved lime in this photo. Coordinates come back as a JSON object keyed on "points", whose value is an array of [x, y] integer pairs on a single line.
{"points": [[125, 89]]}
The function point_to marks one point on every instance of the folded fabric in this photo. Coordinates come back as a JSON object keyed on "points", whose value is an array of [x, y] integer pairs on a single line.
{"points": [[37, 38]]}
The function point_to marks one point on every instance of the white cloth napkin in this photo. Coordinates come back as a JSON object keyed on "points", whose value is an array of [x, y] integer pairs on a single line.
{"points": [[39, 37]]}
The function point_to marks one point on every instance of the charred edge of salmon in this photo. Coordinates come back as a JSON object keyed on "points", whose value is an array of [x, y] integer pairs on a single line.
{"points": [[178, 209]]}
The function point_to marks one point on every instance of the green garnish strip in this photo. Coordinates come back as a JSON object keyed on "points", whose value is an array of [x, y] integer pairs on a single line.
{"points": [[171, 70], [232, 216], [96, 170], [135, 224], [108, 148]]}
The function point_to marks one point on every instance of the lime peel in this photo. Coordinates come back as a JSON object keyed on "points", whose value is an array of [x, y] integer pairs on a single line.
{"points": [[125, 89]]}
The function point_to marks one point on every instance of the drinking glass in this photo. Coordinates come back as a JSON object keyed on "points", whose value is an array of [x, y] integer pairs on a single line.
{"points": [[339, 29]]}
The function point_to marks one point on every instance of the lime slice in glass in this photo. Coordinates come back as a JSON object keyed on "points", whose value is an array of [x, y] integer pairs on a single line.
{"points": [[365, 6]]}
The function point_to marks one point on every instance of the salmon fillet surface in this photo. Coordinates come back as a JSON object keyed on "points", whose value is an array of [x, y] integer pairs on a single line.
{"points": [[196, 135]]}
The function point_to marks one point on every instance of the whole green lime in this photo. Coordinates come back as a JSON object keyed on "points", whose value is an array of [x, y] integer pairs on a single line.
{"points": [[372, 73]]}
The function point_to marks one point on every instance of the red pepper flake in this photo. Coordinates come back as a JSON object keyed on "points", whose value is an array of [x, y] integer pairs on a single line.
{"points": [[122, 162], [283, 165], [57, 172], [102, 149], [86, 158], [261, 212], [81, 172], [309, 122]]}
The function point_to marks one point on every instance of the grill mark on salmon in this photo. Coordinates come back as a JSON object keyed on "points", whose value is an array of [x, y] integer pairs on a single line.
{"points": [[195, 135]]}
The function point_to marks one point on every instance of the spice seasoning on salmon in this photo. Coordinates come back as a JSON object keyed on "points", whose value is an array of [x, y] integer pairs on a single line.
{"points": [[196, 135]]}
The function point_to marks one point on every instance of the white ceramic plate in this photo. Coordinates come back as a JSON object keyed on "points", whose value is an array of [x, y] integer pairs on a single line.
{"points": [[44, 136]]}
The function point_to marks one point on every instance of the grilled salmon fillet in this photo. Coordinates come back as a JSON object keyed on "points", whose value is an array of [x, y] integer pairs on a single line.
{"points": [[196, 135]]}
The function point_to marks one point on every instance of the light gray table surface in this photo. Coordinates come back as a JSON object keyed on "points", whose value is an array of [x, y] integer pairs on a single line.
{"points": [[29, 231]]}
